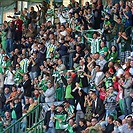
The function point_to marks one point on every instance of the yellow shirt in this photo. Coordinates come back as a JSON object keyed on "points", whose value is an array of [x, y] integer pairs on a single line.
{"points": [[31, 107]]}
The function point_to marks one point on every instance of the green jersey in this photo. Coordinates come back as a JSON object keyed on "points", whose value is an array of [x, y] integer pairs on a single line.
{"points": [[60, 119], [24, 65], [68, 91], [95, 44], [50, 48], [18, 76]]}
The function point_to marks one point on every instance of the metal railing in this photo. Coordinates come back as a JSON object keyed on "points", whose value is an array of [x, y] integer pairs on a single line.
{"points": [[26, 122], [37, 128]]}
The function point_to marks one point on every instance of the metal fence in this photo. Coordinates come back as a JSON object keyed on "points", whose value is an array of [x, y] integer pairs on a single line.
{"points": [[26, 122]]}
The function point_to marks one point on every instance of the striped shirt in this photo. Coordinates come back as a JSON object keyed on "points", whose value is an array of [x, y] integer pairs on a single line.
{"points": [[50, 48], [24, 65], [95, 44]]}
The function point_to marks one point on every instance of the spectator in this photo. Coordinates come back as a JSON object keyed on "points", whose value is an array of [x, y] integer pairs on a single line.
{"points": [[42, 53], [88, 105], [102, 61], [110, 103], [127, 86], [125, 47], [33, 16], [70, 109], [94, 126], [81, 126], [103, 50], [69, 87], [99, 75], [119, 70], [27, 86], [7, 119], [110, 126], [60, 118], [102, 92], [16, 112], [18, 75], [70, 127], [60, 67], [3, 37], [34, 66], [49, 93], [49, 120], [7, 92], [5, 64], [79, 95], [128, 16], [77, 56], [62, 51], [12, 95], [31, 106], [82, 80], [97, 107], [2, 100], [15, 55], [9, 78], [119, 27], [113, 54], [30, 32], [118, 125], [128, 128], [10, 31], [18, 30]]}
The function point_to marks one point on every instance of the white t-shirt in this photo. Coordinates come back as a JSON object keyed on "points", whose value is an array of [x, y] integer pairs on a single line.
{"points": [[9, 79], [61, 18], [119, 72], [63, 33], [99, 77]]}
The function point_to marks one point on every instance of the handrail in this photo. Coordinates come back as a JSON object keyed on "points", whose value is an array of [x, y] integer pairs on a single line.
{"points": [[19, 120], [38, 123]]}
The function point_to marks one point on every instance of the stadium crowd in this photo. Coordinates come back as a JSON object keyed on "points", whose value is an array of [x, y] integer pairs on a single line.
{"points": [[85, 60]]}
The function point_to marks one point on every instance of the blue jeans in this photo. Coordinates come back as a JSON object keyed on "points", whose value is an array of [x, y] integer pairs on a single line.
{"points": [[71, 61], [51, 130], [33, 75], [127, 105], [111, 112], [103, 124], [65, 60], [9, 45], [16, 127], [85, 89], [119, 49]]}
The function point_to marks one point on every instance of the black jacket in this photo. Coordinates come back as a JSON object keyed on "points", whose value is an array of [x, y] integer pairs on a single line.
{"points": [[81, 54], [66, 84], [79, 99], [83, 79], [18, 110], [2, 100], [27, 88], [79, 129], [47, 119], [100, 109]]}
